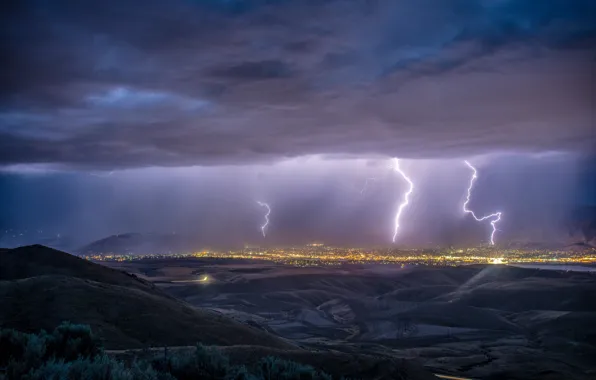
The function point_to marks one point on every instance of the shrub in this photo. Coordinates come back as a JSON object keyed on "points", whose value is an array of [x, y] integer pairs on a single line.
{"points": [[71, 352], [97, 368], [12, 345], [142, 370], [272, 368], [100, 367], [203, 363], [50, 370], [69, 341], [21, 353]]}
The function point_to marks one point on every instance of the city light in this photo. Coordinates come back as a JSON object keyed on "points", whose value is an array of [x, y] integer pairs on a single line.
{"points": [[322, 255]]}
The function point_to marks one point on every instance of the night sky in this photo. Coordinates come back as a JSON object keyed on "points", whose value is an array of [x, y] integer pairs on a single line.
{"points": [[177, 116]]}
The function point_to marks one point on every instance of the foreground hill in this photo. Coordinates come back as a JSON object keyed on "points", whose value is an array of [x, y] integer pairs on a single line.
{"points": [[40, 287], [38, 260]]}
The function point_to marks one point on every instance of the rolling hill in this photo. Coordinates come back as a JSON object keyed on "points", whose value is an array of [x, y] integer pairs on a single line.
{"points": [[474, 321], [41, 287]]}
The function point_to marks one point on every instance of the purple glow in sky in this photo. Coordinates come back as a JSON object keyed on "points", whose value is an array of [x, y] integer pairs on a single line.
{"points": [[107, 109], [313, 198]]}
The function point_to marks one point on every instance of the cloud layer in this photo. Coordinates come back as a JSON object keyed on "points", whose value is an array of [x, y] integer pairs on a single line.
{"points": [[131, 84]]}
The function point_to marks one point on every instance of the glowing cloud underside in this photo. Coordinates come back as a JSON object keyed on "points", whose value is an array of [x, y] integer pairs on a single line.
{"points": [[406, 197], [264, 226], [495, 216]]}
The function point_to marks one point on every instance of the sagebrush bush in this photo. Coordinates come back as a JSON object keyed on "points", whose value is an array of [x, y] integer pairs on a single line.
{"points": [[12, 345], [70, 341], [100, 367], [272, 368], [71, 352], [204, 363], [22, 354]]}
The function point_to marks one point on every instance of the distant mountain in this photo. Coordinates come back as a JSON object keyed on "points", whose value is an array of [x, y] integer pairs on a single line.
{"points": [[40, 287], [18, 238], [136, 243]]}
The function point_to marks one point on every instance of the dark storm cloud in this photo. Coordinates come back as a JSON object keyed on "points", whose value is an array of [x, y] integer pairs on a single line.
{"points": [[130, 83], [253, 70]]}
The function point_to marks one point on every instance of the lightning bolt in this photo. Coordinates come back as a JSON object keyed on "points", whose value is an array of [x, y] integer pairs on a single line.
{"points": [[366, 184], [496, 216], [406, 196], [264, 226]]}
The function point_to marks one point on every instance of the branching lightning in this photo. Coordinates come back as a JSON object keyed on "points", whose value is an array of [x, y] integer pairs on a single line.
{"points": [[406, 196], [264, 226], [495, 216]]}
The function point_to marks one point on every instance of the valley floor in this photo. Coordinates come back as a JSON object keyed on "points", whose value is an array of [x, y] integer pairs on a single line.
{"points": [[472, 321]]}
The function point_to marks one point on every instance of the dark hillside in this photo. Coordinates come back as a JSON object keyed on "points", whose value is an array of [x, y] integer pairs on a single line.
{"points": [[38, 260], [41, 287]]}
